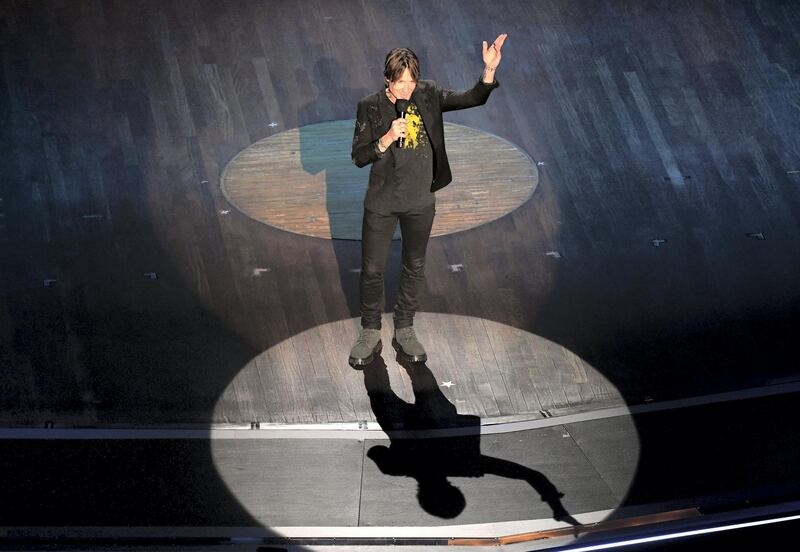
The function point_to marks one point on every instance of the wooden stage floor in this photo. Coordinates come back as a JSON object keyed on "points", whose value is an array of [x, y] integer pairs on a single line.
{"points": [[652, 122], [656, 259]]}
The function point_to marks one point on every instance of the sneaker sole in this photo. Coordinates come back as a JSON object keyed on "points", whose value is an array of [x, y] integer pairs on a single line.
{"points": [[402, 355], [364, 361]]}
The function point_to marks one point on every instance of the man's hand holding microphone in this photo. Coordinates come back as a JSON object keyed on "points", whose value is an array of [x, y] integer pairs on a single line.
{"points": [[397, 132]]}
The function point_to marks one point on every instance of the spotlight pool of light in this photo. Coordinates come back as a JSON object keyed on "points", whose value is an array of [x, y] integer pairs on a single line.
{"points": [[316, 422]]}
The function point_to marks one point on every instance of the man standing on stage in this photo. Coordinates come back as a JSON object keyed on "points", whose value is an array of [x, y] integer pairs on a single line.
{"points": [[401, 132]]}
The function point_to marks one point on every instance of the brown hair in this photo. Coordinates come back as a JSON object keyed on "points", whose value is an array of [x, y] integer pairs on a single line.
{"points": [[397, 61]]}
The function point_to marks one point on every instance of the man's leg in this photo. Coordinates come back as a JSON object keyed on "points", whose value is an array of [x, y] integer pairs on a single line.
{"points": [[376, 238], [416, 230]]}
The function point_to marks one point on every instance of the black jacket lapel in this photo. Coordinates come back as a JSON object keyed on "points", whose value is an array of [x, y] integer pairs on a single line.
{"points": [[388, 113], [424, 107]]}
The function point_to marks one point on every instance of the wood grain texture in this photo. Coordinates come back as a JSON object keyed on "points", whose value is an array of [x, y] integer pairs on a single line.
{"points": [[487, 369], [302, 181], [654, 120]]}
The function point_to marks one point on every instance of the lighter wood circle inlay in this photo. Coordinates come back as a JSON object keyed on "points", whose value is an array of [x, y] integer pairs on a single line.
{"points": [[303, 181]]}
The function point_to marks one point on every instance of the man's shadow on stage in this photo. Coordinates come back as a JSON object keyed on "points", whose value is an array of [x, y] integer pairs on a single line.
{"points": [[432, 459], [325, 153]]}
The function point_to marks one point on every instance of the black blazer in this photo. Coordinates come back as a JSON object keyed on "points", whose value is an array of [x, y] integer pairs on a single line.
{"points": [[375, 116]]}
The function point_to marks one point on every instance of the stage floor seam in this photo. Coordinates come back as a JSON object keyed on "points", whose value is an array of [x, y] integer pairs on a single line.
{"points": [[359, 432]]}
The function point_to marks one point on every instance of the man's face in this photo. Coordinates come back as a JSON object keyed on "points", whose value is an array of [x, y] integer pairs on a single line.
{"points": [[403, 87]]}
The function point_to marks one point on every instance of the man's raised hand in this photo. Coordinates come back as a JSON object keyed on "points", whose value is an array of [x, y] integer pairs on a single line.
{"points": [[491, 54]]}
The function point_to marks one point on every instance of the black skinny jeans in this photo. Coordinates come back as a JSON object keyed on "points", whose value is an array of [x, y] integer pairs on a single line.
{"points": [[376, 238]]}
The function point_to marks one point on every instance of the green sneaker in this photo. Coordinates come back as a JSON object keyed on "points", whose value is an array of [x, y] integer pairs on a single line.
{"points": [[366, 347], [408, 346]]}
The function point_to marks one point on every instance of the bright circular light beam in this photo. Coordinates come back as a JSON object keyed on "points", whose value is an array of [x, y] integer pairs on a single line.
{"points": [[305, 381]]}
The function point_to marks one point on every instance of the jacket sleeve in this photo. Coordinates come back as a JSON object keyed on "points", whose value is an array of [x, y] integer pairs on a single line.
{"points": [[452, 100], [365, 143]]}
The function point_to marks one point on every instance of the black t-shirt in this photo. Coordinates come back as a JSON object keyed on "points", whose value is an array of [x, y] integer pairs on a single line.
{"points": [[413, 171]]}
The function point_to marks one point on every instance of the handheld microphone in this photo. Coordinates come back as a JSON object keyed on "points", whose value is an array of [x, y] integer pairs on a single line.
{"points": [[401, 106]]}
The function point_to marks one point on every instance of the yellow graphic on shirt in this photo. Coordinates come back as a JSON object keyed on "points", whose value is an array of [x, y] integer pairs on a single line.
{"points": [[415, 130]]}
